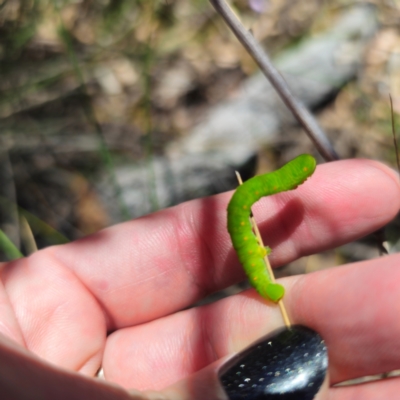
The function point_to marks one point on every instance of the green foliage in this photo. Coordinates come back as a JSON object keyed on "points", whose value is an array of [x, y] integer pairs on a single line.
{"points": [[8, 247]]}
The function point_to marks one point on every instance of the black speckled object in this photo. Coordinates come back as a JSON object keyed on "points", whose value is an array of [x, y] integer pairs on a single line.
{"points": [[287, 364]]}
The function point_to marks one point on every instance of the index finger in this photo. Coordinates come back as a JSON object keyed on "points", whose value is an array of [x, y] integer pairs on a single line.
{"points": [[150, 267]]}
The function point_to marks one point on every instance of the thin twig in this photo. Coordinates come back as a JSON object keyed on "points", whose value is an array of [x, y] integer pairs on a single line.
{"points": [[396, 147], [268, 264], [304, 117]]}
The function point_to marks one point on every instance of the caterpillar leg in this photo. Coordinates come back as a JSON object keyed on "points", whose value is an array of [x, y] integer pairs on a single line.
{"points": [[264, 251]]}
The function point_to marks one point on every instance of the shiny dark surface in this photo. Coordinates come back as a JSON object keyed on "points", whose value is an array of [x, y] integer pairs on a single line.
{"points": [[287, 364]]}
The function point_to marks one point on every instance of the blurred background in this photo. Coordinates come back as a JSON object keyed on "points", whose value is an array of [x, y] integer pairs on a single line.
{"points": [[112, 109]]}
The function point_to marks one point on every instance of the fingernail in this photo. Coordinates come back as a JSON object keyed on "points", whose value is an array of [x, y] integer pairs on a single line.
{"points": [[287, 364]]}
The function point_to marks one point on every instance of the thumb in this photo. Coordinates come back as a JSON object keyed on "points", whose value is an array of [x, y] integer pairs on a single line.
{"points": [[289, 363]]}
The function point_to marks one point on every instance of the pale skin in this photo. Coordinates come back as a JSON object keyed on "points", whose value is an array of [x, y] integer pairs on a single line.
{"points": [[132, 279]]}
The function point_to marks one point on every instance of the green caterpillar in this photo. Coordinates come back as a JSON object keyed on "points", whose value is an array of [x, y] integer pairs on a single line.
{"points": [[250, 253]]}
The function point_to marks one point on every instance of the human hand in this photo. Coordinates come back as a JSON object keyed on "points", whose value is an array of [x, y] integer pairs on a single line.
{"points": [[134, 278]]}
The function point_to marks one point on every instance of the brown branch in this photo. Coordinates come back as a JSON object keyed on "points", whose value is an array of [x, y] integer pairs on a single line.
{"points": [[304, 117]]}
